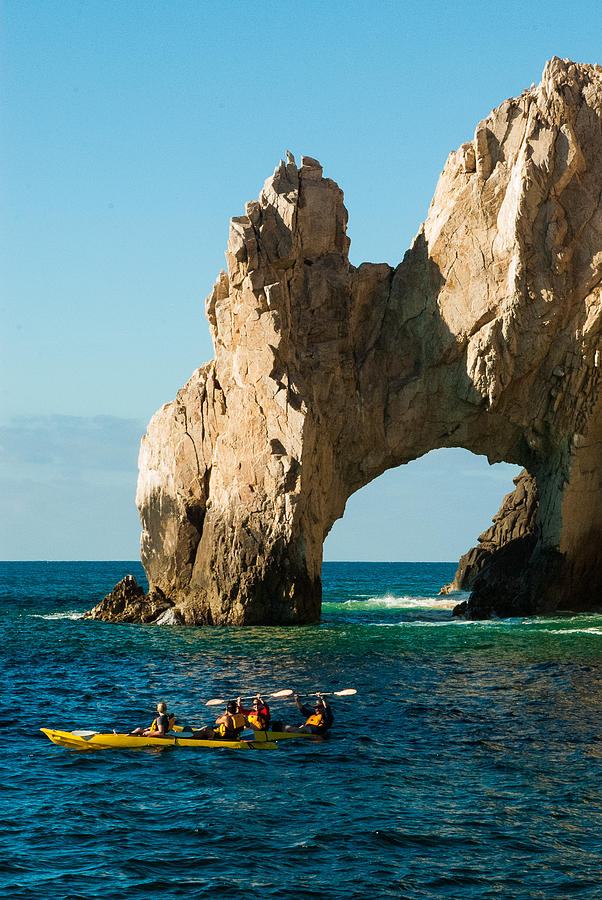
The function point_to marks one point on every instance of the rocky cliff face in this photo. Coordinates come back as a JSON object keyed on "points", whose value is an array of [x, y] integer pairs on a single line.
{"points": [[513, 524], [486, 336]]}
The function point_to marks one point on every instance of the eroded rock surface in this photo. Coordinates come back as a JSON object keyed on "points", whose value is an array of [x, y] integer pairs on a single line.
{"points": [[127, 602], [486, 336]]}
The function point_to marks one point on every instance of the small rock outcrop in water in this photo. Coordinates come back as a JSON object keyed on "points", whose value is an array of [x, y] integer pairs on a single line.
{"points": [[486, 336], [127, 602]]}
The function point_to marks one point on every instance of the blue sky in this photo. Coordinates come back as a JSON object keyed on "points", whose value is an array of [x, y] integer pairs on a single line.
{"points": [[130, 133]]}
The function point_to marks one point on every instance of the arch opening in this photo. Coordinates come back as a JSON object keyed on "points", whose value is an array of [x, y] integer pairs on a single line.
{"points": [[430, 510]]}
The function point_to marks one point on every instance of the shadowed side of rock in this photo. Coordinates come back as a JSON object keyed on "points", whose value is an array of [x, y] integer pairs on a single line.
{"points": [[495, 567], [515, 570], [518, 579], [127, 602]]}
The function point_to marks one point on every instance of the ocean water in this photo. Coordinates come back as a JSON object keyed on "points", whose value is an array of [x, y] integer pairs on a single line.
{"points": [[468, 765]]}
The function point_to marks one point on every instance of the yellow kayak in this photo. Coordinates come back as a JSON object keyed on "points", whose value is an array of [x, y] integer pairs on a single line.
{"points": [[284, 735], [263, 736], [93, 740]]}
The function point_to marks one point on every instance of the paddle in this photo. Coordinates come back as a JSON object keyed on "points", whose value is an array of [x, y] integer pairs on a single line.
{"points": [[347, 692], [218, 701]]}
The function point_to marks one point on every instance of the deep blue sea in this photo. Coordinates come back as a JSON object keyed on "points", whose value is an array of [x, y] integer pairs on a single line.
{"points": [[468, 765]]}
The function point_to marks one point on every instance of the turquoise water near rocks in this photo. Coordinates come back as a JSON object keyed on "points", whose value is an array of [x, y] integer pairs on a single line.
{"points": [[468, 765]]}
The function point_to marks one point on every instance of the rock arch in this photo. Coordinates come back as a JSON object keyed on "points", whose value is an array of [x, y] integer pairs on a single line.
{"points": [[486, 336]]}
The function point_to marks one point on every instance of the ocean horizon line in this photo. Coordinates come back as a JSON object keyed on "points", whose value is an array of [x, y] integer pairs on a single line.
{"points": [[392, 562]]}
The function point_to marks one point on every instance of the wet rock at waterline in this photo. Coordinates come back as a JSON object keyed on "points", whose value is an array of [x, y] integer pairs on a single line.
{"points": [[486, 336], [127, 602]]}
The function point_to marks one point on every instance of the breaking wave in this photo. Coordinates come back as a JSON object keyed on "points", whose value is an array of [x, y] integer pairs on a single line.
{"points": [[573, 630], [391, 602], [58, 615]]}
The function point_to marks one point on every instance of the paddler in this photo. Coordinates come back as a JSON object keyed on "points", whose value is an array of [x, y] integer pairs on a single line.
{"points": [[227, 728], [159, 726], [258, 718], [319, 720]]}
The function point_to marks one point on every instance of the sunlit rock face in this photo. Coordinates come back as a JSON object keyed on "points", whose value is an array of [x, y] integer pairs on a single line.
{"points": [[486, 336]]}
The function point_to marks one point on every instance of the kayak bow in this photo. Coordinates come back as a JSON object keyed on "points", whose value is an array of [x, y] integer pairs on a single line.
{"points": [[92, 740]]}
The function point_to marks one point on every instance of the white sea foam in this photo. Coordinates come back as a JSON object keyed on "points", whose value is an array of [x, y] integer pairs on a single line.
{"points": [[573, 630], [482, 624], [462, 623], [61, 615], [485, 624], [421, 623], [405, 602]]}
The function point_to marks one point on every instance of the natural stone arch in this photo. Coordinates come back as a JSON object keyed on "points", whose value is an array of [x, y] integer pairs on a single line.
{"points": [[486, 336]]}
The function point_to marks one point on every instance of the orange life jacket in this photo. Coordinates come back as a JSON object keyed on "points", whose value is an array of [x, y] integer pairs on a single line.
{"points": [[316, 719], [258, 721], [230, 730]]}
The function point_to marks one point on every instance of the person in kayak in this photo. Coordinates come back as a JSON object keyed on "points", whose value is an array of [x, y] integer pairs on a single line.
{"points": [[159, 726], [258, 718], [319, 720], [227, 728]]}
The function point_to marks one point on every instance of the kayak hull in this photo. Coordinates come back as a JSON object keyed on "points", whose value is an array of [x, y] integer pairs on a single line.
{"points": [[284, 735], [96, 741], [259, 736]]}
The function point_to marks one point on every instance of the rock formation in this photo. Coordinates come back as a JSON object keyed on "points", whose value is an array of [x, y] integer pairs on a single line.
{"points": [[127, 602], [486, 336], [515, 522]]}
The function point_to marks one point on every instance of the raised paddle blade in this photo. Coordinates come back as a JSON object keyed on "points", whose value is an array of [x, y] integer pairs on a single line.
{"points": [[348, 692], [218, 702]]}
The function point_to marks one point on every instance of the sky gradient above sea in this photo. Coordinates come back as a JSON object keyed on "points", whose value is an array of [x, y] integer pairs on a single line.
{"points": [[131, 133]]}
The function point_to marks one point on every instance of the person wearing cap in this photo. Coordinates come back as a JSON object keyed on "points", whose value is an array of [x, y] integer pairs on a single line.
{"points": [[318, 720], [258, 718], [159, 726]]}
